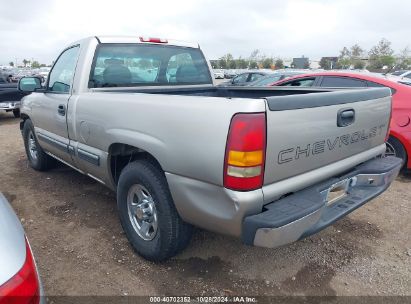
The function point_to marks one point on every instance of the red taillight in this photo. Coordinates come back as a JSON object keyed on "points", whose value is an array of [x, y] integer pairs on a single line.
{"points": [[153, 40], [245, 152], [23, 287]]}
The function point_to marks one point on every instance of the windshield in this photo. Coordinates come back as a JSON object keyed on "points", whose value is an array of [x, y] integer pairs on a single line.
{"points": [[398, 73], [267, 80], [125, 65]]}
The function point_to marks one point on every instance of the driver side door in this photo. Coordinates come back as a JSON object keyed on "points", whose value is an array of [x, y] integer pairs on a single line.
{"points": [[49, 111]]}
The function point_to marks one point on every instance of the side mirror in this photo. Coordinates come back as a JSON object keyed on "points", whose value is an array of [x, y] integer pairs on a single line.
{"points": [[29, 84]]}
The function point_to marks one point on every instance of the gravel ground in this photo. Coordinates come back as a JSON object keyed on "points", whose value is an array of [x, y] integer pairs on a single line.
{"points": [[72, 224]]}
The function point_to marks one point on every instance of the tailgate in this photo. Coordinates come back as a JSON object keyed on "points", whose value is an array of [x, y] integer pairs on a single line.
{"points": [[307, 132]]}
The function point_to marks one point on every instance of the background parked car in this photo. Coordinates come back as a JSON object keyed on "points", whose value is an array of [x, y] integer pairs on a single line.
{"points": [[267, 80], [8, 74], [20, 74], [10, 96], [230, 74], [399, 142], [19, 278], [244, 78], [402, 74], [44, 72], [218, 74]]}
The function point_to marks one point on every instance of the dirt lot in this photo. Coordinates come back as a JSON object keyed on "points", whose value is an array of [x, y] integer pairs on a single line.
{"points": [[73, 227]]}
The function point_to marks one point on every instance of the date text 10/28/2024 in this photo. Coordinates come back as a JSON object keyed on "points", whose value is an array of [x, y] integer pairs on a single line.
{"points": [[203, 299]]}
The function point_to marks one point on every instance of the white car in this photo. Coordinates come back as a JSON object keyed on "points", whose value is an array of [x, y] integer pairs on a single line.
{"points": [[404, 74], [19, 278], [218, 74], [44, 72]]}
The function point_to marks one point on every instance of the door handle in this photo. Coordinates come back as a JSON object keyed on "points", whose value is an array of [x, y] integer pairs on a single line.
{"points": [[61, 110], [345, 117]]}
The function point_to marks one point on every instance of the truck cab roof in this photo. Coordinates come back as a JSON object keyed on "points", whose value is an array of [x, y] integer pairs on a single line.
{"points": [[137, 39]]}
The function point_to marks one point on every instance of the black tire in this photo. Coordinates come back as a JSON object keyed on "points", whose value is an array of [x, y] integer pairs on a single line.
{"points": [[42, 162], [395, 147], [16, 113], [172, 233]]}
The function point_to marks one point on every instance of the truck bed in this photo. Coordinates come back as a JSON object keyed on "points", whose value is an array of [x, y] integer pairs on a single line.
{"points": [[302, 131], [215, 91]]}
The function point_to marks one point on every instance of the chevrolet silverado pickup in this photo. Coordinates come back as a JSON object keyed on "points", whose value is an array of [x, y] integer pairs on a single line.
{"points": [[267, 165]]}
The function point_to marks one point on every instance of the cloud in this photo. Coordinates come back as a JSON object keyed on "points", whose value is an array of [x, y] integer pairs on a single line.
{"points": [[314, 28]]}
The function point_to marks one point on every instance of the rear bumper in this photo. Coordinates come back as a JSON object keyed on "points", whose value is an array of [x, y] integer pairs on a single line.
{"points": [[306, 212], [9, 105]]}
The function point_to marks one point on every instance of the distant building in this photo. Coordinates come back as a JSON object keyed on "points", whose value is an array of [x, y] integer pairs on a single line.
{"points": [[301, 63]]}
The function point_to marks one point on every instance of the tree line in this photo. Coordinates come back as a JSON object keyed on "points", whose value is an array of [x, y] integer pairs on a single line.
{"points": [[254, 61], [35, 64], [379, 57]]}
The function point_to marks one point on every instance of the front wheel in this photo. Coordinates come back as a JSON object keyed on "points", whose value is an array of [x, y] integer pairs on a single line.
{"points": [[395, 148], [147, 212], [38, 159]]}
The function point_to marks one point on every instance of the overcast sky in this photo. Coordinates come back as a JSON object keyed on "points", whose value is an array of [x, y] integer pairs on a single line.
{"points": [[314, 28]]}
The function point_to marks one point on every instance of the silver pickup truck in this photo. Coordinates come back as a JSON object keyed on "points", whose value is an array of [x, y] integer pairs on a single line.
{"points": [[267, 165]]}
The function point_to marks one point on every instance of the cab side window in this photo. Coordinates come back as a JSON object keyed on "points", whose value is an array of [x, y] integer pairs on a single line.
{"points": [[61, 76], [305, 82], [374, 84], [342, 82], [254, 77]]}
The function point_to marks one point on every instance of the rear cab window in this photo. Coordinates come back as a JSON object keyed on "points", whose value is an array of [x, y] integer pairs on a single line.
{"points": [[126, 65]]}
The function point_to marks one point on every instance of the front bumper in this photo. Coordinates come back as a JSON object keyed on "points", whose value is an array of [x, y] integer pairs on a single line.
{"points": [[9, 105], [307, 211]]}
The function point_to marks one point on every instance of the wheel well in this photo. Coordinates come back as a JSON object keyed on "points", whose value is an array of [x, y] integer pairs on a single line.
{"points": [[120, 155], [23, 118]]}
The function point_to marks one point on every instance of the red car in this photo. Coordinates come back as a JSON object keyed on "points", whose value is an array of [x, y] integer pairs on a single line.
{"points": [[399, 142]]}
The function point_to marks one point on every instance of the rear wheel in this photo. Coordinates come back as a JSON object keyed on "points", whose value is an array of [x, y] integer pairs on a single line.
{"points": [[38, 159], [395, 148], [147, 212]]}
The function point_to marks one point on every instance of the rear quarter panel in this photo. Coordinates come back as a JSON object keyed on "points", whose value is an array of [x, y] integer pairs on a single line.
{"points": [[186, 134]]}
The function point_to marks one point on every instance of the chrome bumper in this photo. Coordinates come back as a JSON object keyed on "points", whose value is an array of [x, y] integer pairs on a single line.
{"points": [[310, 210], [9, 105]]}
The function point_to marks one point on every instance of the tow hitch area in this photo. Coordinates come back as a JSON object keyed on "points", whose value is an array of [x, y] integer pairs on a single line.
{"points": [[337, 191], [312, 209]]}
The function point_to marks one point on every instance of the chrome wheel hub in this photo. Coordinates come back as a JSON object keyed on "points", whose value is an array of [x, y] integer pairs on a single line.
{"points": [[142, 212], [32, 146]]}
